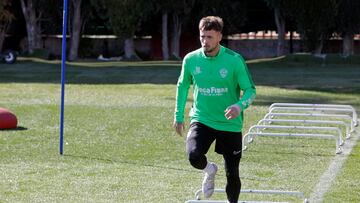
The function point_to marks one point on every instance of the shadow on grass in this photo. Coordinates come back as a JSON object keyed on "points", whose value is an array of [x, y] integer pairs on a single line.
{"points": [[96, 73], [128, 162], [19, 128], [288, 74], [150, 165]]}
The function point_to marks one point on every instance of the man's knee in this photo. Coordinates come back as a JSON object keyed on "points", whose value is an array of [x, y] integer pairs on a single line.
{"points": [[197, 160]]}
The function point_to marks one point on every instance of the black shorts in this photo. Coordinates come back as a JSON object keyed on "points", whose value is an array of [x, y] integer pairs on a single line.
{"points": [[200, 137]]}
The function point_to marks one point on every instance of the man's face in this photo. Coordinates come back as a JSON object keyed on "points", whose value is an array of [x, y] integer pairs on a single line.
{"points": [[210, 41]]}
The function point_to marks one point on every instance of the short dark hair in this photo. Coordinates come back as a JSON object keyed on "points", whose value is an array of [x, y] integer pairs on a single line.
{"points": [[211, 23]]}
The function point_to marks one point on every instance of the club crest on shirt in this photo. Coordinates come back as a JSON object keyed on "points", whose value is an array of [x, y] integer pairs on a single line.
{"points": [[197, 70], [223, 72]]}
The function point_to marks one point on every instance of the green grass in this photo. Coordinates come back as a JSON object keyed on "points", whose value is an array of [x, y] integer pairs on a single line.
{"points": [[119, 144], [347, 186]]}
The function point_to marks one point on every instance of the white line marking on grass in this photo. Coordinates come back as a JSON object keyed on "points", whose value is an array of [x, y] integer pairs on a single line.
{"points": [[328, 177]]}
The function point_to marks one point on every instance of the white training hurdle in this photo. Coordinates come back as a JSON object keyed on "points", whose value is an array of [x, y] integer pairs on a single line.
{"points": [[305, 115], [316, 109], [251, 191], [342, 123], [248, 137], [323, 111], [322, 108]]}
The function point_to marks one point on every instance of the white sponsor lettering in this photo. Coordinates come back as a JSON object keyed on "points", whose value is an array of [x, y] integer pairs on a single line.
{"points": [[213, 91]]}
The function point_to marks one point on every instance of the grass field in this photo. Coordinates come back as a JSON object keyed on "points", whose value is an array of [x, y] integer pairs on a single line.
{"points": [[119, 144]]}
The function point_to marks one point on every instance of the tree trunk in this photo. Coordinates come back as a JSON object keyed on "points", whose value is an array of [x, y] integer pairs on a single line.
{"points": [[348, 44], [3, 31], [280, 26], [129, 49], [2, 37], [32, 29], [164, 41], [318, 49], [75, 31], [291, 42], [175, 37]]}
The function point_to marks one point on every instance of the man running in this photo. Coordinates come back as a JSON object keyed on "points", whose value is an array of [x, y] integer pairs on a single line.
{"points": [[222, 90]]}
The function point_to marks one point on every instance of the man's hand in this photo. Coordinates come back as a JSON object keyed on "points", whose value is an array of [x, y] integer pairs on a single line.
{"points": [[232, 111], [179, 127]]}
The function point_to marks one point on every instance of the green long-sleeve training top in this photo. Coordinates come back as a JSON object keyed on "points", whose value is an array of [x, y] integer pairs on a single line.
{"points": [[217, 84]]}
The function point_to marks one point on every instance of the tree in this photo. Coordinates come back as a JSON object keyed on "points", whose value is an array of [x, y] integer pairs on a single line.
{"points": [[180, 13], [279, 14], [81, 11], [165, 41], [163, 7], [76, 25], [5, 19], [32, 12], [348, 23], [126, 17], [177, 12], [315, 21]]}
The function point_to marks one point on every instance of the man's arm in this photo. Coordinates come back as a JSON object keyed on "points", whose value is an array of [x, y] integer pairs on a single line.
{"points": [[247, 86], [182, 90]]}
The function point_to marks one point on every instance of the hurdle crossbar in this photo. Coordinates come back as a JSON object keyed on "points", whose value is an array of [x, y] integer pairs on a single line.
{"points": [[251, 191], [342, 123], [262, 127], [325, 136], [248, 137], [336, 116], [317, 109], [332, 106]]}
